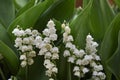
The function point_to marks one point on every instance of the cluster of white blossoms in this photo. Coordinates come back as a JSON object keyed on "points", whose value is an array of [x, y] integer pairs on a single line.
{"points": [[24, 42], [85, 61], [28, 40], [48, 49]]}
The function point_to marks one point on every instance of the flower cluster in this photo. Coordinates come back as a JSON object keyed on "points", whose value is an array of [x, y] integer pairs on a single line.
{"points": [[86, 61], [28, 40], [24, 42], [48, 49]]}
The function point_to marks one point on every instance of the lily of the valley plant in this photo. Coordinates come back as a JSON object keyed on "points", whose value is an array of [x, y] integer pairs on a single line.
{"points": [[54, 40]]}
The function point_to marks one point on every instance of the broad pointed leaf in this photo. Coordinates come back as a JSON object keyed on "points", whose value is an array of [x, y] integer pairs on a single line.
{"points": [[7, 12]]}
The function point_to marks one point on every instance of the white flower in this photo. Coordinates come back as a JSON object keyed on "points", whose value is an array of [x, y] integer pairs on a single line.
{"points": [[71, 59], [85, 62], [47, 61], [31, 40], [28, 31], [52, 31], [26, 41], [69, 45], [48, 55], [23, 63], [24, 48], [97, 57], [65, 35], [38, 39], [79, 62], [76, 52], [16, 32], [54, 50], [46, 40], [29, 47], [95, 78], [51, 79], [55, 70], [42, 51], [67, 29], [46, 32], [63, 25], [81, 53], [49, 73], [70, 38], [66, 53], [30, 61], [48, 46], [95, 73], [53, 37], [98, 67], [77, 73], [94, 44], [55, 56], [89, 38], [9, 79], [23, 57], [85, 70], [31, 54], [22, 33], [76, 68], [93, 64], [18, 42], [35, 32], [50, 24], [101, 75], [88, 57]]}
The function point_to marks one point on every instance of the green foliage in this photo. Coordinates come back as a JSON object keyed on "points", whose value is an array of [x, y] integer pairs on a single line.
{"points": [[7, 12]]}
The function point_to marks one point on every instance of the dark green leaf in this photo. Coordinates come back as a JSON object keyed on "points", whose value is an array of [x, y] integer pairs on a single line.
{"points": [[100, 18], [20, 3], [115, 60], [7, 12], [10, 58], [109, 43], [5, 37], [29, 17], [80, 26], [60, 10], [26, 7], [117, 2]]}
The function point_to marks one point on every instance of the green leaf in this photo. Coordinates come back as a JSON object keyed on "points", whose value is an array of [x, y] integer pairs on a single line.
{"points": [[60, 10], [100, 18], [20, 3], [80, 26], [114, 60], [5, 37], [109, 43], [7, 12], [10, 58], [117, 2], [29, 17], [26, 7]]}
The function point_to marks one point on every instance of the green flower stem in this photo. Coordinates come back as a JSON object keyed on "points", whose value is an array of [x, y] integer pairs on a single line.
{"points": [[69, 71], [2, 74], [26, 70]]}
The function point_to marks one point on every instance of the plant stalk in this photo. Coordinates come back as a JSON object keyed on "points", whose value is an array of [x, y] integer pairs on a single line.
{"points": [[2, 74]]}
